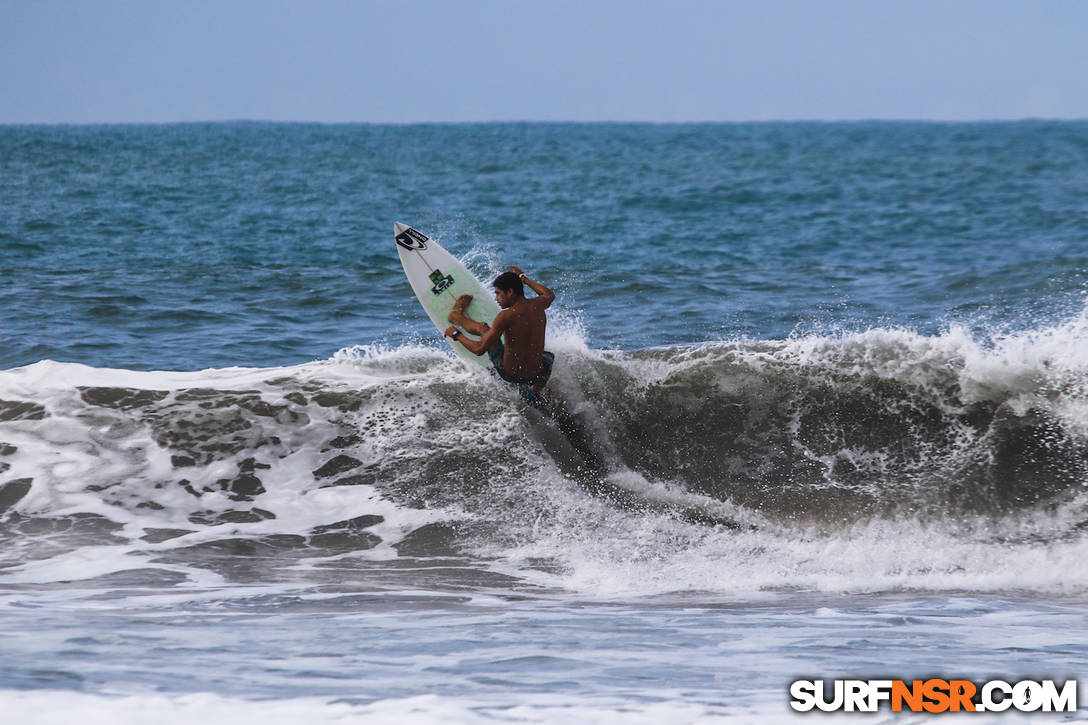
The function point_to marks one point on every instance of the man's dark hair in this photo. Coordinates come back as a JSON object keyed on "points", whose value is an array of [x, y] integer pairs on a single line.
{"points": [[510, 281]]}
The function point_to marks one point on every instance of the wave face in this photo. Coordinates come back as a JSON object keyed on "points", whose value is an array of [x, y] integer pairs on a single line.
{"points": [[875, 460], [883, 422]]}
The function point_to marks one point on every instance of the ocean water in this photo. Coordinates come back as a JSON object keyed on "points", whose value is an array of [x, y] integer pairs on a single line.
{"points": [[825, 415]]}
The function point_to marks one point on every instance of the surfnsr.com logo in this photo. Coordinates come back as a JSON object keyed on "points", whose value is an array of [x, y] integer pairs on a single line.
{"points": [[933, 695]]}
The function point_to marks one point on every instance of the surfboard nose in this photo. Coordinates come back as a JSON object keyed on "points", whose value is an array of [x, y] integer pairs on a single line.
{"points": [[398, 228]]}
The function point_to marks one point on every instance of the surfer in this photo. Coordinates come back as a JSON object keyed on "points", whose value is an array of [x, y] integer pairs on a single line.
{"points": [[523, 359]]}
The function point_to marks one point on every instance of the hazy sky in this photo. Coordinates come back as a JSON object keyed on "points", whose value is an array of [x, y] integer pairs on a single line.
{"points": [[475, 60]]}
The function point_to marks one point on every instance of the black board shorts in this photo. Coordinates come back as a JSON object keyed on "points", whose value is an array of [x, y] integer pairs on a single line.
{"points": [[496, 354]]}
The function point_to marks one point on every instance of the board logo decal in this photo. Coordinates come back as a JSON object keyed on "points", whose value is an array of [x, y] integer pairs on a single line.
{"points": [[411, 239], [441, 281]]}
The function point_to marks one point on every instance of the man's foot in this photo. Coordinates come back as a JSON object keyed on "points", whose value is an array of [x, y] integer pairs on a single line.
{"points": [[457, 314]]}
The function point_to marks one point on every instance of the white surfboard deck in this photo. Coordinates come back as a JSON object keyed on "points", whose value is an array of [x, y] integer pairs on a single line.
{"points": [[438, 279]]}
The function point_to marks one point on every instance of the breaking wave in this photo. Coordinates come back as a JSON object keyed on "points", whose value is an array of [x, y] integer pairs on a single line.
{"points": [[878, 460]]}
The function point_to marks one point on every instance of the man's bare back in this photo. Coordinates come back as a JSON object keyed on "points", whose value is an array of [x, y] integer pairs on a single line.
{"points": [[523, 324]]}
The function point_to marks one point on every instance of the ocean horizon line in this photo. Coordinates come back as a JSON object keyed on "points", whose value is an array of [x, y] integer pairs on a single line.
{"points": [[538, 122]]}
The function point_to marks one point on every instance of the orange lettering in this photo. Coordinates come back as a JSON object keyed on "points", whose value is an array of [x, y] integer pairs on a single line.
{"points": [[936, 691], [912, 695], [961, 692]]}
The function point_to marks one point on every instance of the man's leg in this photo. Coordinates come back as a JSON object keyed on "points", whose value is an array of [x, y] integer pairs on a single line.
{"points": [[538, 388], [457, 317], [547, 360]]}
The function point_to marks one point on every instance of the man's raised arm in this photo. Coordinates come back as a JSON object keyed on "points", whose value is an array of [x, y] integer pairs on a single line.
{"points": [[541, 291]]}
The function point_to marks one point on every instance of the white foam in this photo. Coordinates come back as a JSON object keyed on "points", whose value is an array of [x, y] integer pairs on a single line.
{"points": [[758, 708], [606, 553], [31, 381], [61, 708], [86, 459]]}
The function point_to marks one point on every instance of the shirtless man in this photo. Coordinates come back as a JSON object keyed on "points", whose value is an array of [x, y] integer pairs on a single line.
{"points": [[523, 359]]}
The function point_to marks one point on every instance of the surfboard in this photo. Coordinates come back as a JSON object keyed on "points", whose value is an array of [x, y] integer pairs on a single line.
{"points": [[438, 279]]}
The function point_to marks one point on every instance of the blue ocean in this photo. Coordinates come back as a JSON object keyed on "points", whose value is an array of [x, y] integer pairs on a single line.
{"points": [[826, 416]]}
